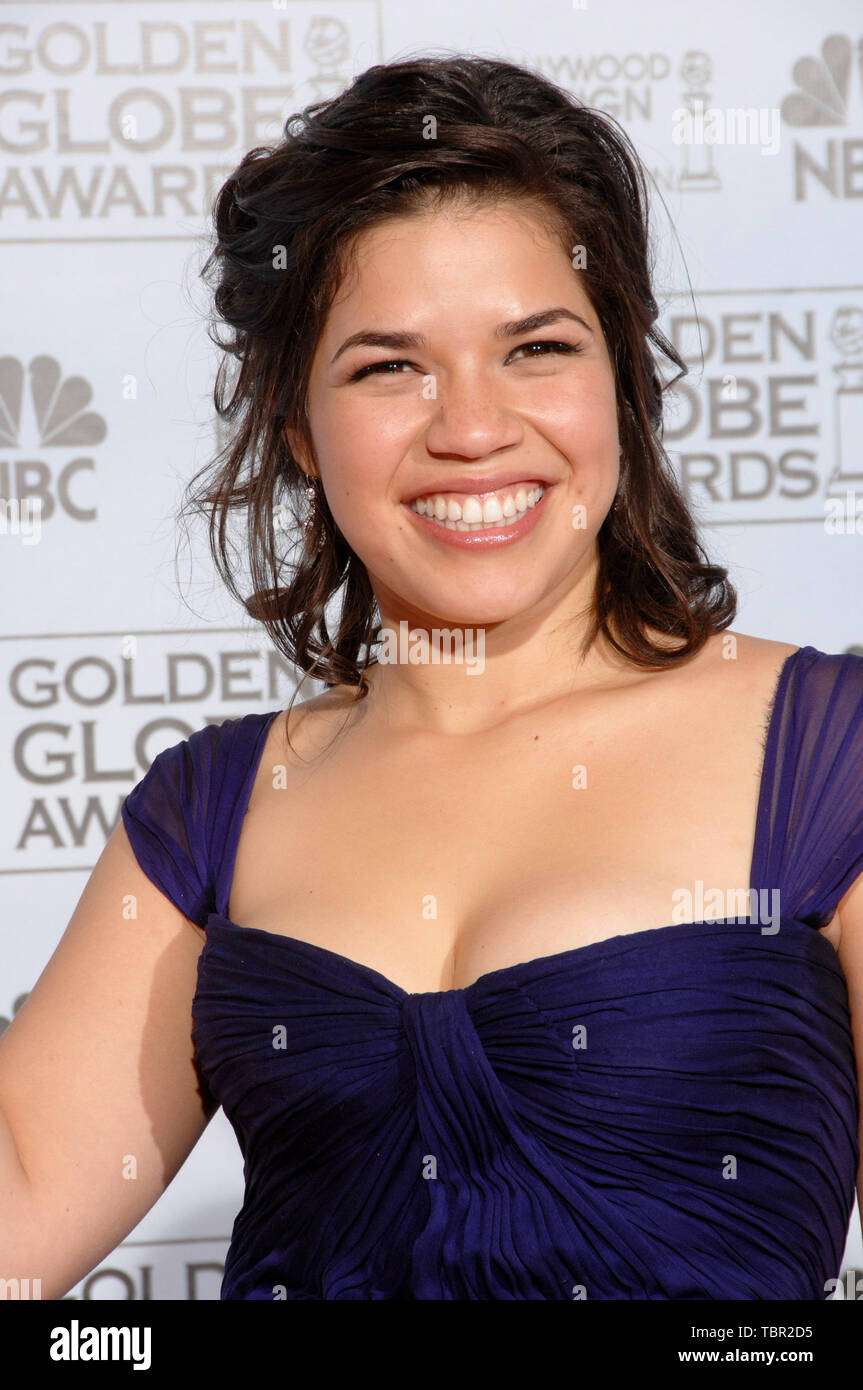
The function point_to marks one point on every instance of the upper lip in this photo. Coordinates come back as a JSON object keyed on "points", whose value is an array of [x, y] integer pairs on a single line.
{"points": [[476, 484]]}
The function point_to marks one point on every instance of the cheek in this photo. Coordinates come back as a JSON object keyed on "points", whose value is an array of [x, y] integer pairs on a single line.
{"points": [[584, 398], [582, 425], [360, 448], [370, 430], [357, 482]]}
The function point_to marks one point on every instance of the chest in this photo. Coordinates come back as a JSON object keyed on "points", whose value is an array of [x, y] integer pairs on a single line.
{"points": [[434, 862]]}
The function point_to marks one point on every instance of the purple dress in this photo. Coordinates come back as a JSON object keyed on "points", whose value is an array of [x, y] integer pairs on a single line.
{"points": [[670, 1114]]}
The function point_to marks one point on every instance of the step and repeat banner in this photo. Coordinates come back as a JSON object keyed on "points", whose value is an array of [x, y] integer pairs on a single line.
{"points": [[118, 121]]}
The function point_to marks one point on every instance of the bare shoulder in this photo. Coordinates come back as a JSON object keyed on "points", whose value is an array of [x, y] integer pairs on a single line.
{"points": [[730, 684], [303, 732], [753, 664]]}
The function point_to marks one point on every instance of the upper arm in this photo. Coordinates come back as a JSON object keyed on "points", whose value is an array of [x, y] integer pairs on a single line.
{"points": [[850, 915], [97, 1079]]}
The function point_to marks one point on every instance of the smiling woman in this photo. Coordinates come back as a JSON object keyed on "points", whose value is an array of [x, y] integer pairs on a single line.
{"points": [[413, 214], [438, 286], [428, 929], [542, 409]]}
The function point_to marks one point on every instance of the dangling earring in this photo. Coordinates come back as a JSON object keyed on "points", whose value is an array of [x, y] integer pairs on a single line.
{"points": [[614, 503], [309, 523]]}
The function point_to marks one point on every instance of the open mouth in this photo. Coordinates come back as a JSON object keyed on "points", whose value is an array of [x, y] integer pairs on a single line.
{"points": [[521, 507], [491, 511]]}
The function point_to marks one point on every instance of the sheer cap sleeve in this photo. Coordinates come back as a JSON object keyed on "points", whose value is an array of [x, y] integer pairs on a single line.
{"points": [[184, 817], [813, 785], [165, 816]]}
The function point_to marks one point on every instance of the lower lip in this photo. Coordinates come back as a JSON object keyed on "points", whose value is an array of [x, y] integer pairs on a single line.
{"points": [[481, 540]]}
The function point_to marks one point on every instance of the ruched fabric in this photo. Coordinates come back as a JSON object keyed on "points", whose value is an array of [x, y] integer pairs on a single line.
{"points": [[667, 1114]]}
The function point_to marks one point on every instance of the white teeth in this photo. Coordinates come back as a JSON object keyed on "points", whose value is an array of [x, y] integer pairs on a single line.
{"points": [[477, 513]]}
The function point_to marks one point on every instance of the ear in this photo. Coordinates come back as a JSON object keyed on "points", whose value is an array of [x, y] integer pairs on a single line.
{"points": [[299, 450]]}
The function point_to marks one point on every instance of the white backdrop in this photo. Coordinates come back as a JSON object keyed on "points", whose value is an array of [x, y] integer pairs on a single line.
{"points": [[117, 121]]}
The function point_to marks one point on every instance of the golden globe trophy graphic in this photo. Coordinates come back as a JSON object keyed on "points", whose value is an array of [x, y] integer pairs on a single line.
{"points": [[327, 44], [699, 175], [846, 480]]}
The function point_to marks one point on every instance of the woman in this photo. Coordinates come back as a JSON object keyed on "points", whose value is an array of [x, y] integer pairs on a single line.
{"points": [[467, 948]]}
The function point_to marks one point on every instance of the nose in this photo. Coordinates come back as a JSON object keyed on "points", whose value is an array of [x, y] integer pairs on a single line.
{"points": [[470, 418]]}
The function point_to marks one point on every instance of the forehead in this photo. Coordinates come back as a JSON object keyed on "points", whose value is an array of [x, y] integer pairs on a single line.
{"points": [[455, 254]]}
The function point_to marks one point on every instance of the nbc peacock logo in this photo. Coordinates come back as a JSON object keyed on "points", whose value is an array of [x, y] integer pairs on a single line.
{"points": [[44, 418], [827, 96]]}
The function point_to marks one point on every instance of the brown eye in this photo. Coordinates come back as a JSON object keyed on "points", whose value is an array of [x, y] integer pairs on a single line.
{"points": [[552, 347], [379, 367]]}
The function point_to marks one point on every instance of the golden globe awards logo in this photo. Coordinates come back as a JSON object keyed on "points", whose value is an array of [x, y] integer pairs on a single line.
{"points": [[768, 426], [116, 123]]}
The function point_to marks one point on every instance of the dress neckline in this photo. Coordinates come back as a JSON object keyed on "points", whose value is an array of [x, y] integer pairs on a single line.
{"points": [[222, 921], [688, 930]]}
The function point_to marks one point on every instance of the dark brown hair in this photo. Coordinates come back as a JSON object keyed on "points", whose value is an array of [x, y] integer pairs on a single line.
{"points": [[286, 227]]}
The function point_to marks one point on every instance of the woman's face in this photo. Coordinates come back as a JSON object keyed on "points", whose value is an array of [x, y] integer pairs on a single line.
{"points": [[467, 408]]}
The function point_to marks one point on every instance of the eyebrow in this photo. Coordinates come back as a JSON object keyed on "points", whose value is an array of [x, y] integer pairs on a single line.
{"points": [[513, 329]]}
